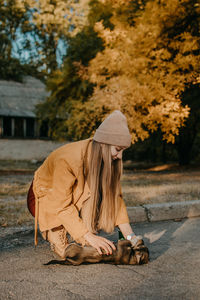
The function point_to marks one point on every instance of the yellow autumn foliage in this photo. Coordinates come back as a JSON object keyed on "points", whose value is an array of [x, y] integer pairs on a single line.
{"points": [[61, 15], [144, 68]]}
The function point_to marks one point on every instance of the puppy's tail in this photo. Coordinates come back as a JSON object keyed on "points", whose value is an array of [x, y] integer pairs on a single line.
{"points": [[57, 262]]}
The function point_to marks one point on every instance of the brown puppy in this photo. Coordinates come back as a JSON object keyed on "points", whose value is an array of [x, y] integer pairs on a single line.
{"points": [[125, 254]]}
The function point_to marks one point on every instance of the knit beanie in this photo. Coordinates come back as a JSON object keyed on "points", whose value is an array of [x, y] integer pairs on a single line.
{"points": [[114, 131]]}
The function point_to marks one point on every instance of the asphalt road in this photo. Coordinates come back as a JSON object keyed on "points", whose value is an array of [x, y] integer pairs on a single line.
{"points": [[172, 273]]}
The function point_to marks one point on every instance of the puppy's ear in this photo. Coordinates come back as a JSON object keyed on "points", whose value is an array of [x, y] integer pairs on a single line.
{"points": [[139, 243]]}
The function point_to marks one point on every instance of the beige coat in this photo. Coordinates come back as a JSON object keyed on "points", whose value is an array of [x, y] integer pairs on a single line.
{"points": [[60, 188]]}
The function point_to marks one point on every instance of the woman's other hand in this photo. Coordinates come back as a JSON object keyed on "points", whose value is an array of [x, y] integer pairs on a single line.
{"points": [[100, 243]]}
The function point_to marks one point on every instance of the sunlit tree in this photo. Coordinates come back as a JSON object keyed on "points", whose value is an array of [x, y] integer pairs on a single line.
{"points": [[148, 58], [145, 67]]}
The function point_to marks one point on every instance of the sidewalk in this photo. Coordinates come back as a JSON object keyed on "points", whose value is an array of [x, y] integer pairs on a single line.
{"points": [[25, 149], [164, 211]]}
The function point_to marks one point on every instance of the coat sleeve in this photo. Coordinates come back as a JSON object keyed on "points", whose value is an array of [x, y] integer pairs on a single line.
{"points": [[122, 215], [61, 200]]}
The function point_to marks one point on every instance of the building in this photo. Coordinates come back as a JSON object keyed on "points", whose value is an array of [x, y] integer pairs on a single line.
{"points": [[17, 108]]}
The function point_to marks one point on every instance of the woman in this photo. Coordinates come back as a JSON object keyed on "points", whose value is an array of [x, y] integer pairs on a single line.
{"points": [[77, 189]]}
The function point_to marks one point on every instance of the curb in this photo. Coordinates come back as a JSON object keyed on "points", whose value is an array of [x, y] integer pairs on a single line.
{"points": [[164, 211]]}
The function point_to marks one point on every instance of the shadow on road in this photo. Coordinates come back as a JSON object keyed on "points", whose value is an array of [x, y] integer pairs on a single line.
{"points": [[158, 236], [17, 239]]}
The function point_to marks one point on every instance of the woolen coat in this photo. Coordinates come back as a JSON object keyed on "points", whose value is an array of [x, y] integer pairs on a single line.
{"points": [[60, 188]]}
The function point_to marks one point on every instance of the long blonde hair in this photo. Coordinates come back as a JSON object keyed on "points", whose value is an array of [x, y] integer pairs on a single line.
{"points": [[100, 211]]}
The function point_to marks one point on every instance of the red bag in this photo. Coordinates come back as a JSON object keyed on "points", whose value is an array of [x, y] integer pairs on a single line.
{"points": [[31, 200]]}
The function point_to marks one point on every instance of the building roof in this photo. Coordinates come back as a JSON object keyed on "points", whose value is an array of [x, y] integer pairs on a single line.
{"points": [[19, 99]]}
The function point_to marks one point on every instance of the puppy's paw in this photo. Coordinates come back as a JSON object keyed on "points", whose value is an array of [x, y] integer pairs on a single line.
{"points": [[139, 243]]}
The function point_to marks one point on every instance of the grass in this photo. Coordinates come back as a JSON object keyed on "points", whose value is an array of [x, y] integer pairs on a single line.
{"points": [[13, 191], [146, 186], [19, 165], [14, 213]]}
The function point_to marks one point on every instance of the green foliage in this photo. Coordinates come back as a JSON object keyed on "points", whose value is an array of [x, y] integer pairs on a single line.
{"points": [[14, 19], [11, 18], [12, 69], [100, 12], [83, 47], [34, 33]]}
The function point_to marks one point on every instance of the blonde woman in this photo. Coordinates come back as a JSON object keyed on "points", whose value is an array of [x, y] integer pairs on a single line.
{"points": [[77, 190]]}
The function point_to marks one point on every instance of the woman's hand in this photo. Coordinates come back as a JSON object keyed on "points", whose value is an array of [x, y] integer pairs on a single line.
{"points": [[100, 243]]}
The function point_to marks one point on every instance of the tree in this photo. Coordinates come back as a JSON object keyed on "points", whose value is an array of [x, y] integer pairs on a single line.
{"points": [[55, 21], [35, 33], [14, 19], [81, 117], [67, 89], [145, 68], [150, 56]]}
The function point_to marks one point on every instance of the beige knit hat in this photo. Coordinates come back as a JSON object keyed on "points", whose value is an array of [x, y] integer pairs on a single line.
{"points": [[114, 130]]}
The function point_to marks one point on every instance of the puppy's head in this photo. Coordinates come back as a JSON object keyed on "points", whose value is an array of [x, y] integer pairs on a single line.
{"points": [[139, 254]]}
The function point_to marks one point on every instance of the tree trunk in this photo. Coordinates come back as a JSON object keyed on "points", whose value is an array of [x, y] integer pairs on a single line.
{"points": [[184, 154]]}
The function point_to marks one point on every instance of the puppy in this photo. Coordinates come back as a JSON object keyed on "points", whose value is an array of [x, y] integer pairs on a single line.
{"points": [[125, 254]]}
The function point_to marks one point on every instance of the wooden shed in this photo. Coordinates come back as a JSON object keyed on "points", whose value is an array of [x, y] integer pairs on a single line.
{"points": [[17, 108]]}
